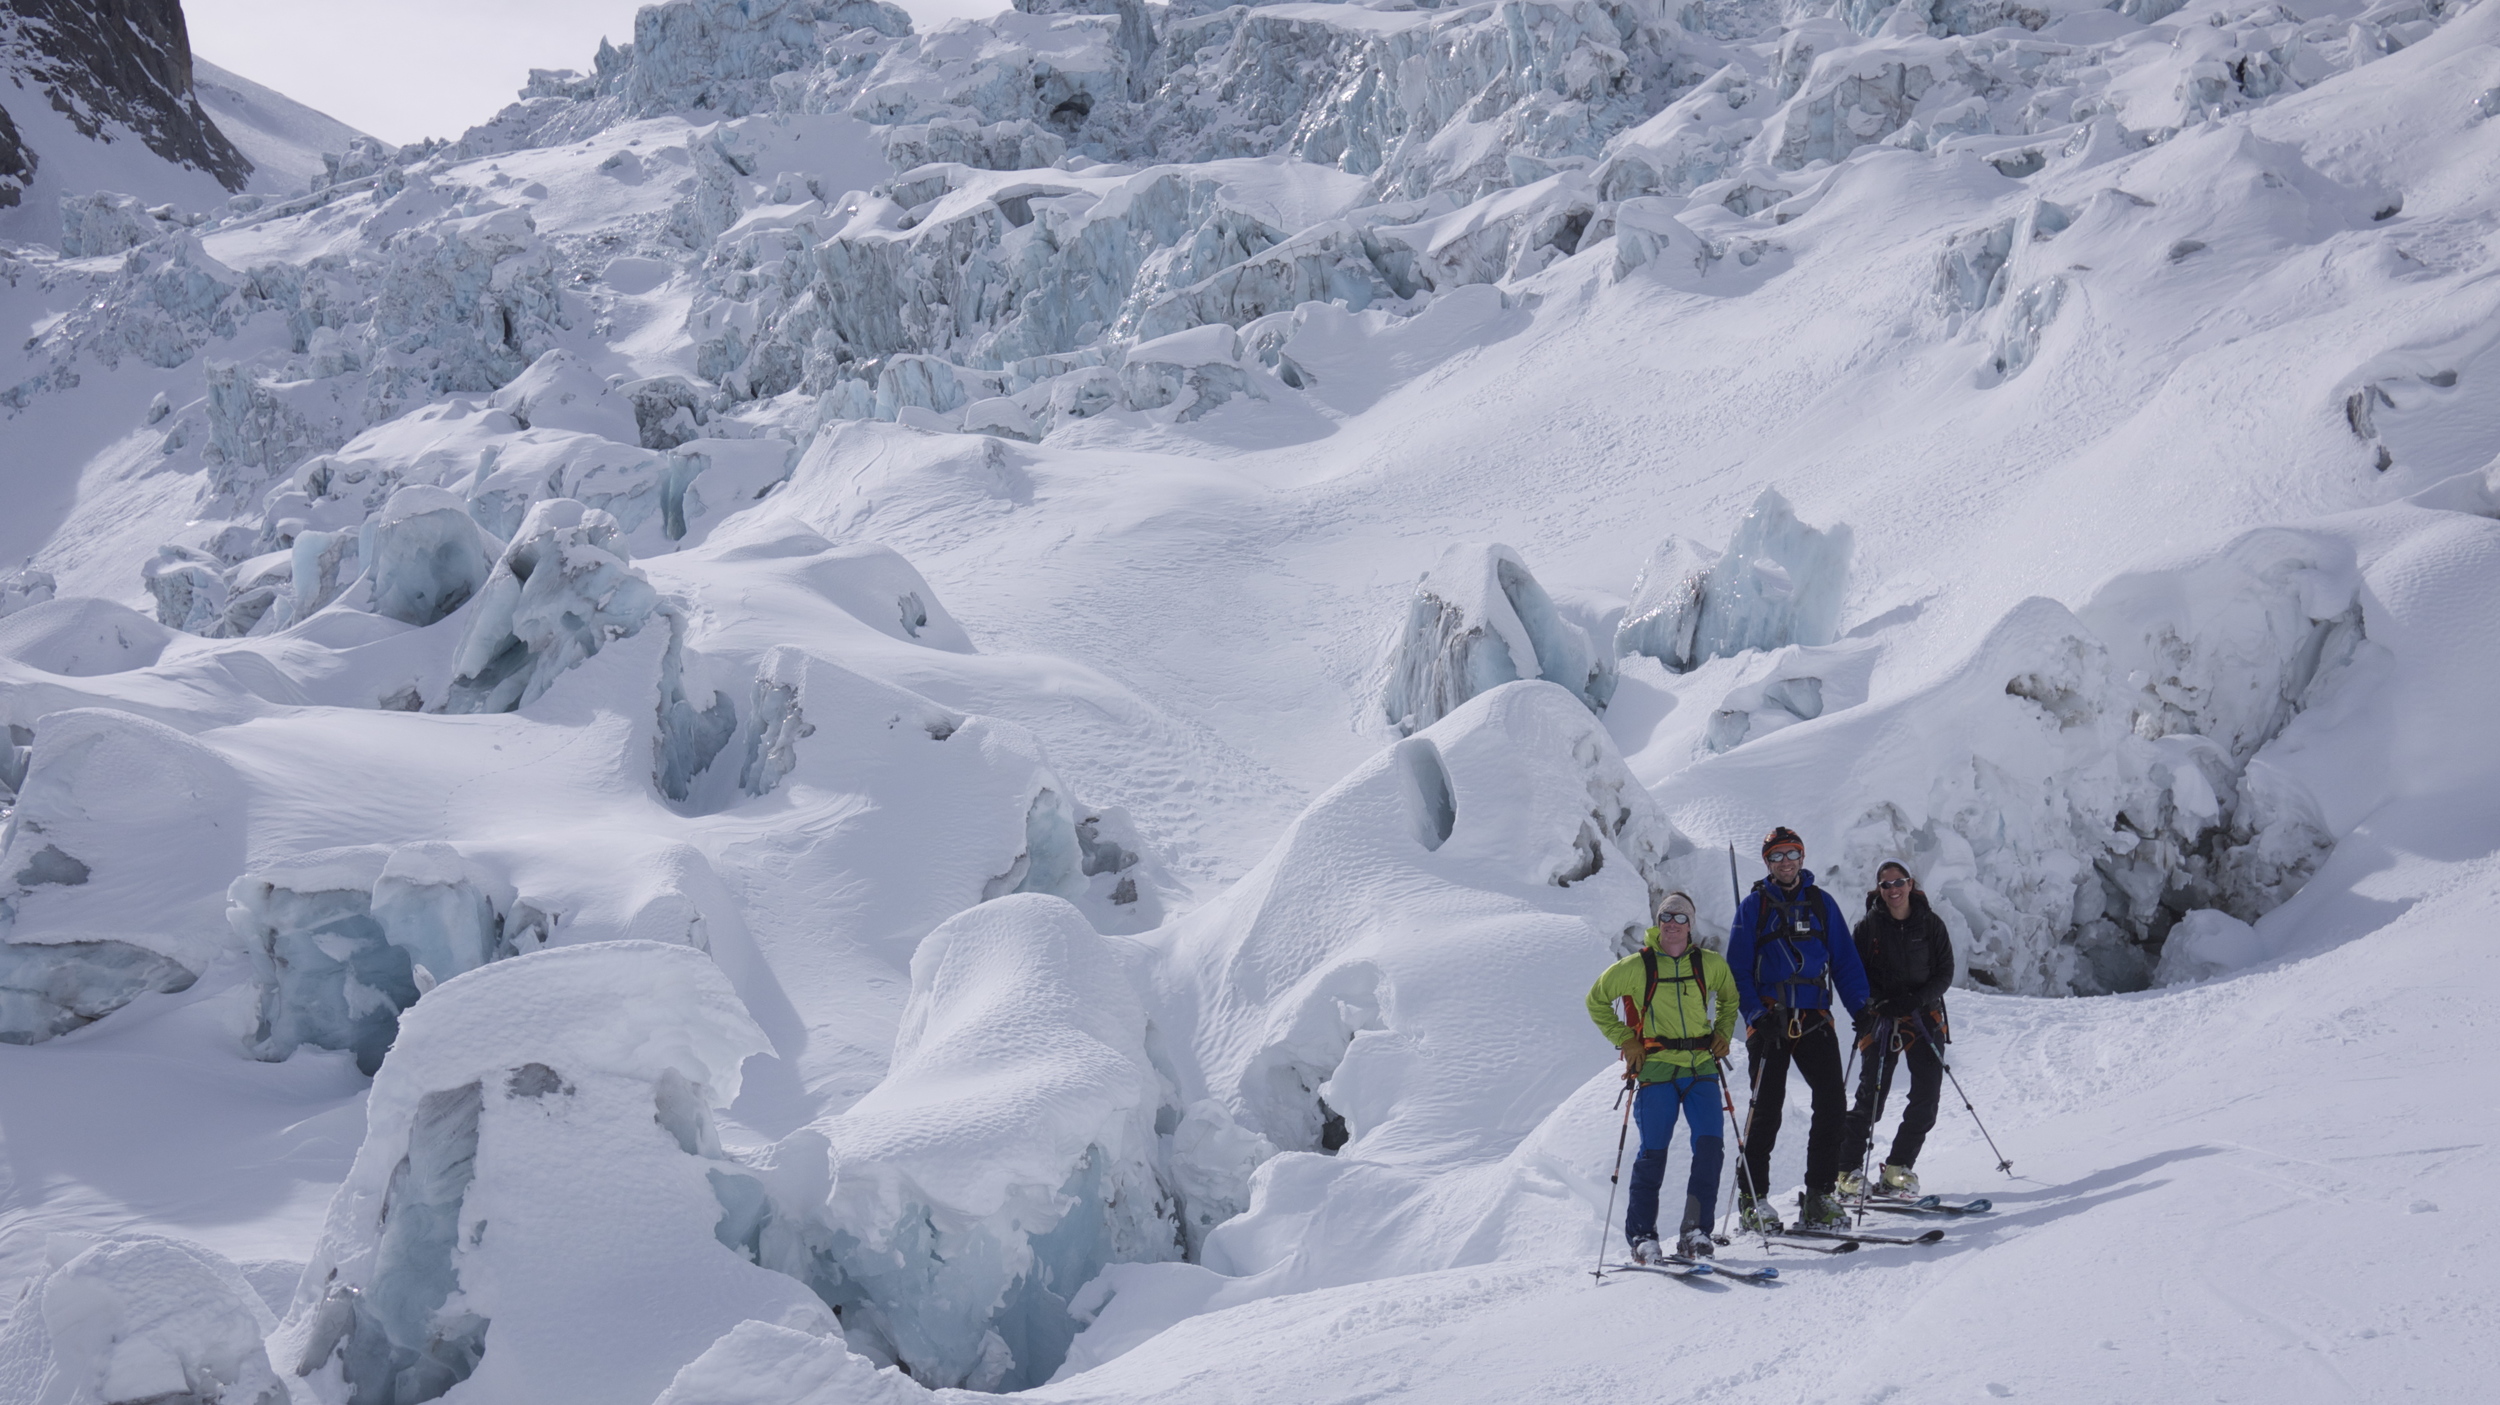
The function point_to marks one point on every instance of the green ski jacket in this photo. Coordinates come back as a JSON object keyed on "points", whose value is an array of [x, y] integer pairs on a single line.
{"points": [[1679, 1012]]}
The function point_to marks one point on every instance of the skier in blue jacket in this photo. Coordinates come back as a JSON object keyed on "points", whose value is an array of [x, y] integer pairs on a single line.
{"points": [[1789, 945]]}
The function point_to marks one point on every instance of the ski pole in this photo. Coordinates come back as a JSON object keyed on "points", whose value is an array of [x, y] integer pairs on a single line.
{"points": [[1875, 1115], [1736, 1171], [1625, 1097], [1753, 1099], [1753, 1066], [2002, 1164]]}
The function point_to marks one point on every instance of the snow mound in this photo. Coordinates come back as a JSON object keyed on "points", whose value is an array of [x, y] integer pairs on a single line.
{"points": [[757, 1363], [1342, 1020], [1479, 620], [118, 823], [81, 637], [1010, 1153], [1313, 992], [466, 1249], [140, 1318], [559, 391]]}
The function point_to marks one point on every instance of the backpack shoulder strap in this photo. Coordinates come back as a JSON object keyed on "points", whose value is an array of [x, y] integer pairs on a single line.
{"points": [[1649, 990]]}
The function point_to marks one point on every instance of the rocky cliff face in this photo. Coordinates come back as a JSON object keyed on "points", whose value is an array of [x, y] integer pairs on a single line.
{"points": [[107, 65], [17, 165]]}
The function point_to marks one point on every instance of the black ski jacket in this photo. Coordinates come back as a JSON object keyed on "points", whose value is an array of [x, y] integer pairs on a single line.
{"points": [[1909, 964]]}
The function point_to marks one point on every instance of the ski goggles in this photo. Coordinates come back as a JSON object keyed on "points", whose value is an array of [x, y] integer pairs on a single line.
{"points": [[1891, 883], [1677, 918], [1784, 856]]}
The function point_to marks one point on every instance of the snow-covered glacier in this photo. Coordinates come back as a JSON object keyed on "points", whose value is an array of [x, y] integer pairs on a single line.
{"points": [[860, 709]]}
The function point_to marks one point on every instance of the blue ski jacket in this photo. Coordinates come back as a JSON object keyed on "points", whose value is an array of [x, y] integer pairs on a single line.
{"points": [[1789, 946]]}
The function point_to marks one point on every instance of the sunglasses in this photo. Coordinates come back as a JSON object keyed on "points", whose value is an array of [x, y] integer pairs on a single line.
{"points": [[1785, 855], [1677, 918]]}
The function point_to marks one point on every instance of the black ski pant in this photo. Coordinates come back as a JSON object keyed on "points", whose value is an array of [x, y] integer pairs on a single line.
{"points": [[1816, 1053], [1878, 1076]]}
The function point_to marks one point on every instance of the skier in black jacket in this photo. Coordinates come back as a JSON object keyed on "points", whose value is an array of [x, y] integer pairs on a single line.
{"points": [[1908, 958]]}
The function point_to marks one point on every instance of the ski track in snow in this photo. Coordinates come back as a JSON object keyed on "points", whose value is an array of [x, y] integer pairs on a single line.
{"points": [[844, 714]]}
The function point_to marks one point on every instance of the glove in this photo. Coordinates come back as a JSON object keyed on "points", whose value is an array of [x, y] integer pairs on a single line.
{"points": [[1878, 1010], [1863, 1024], [1718, 1047], [1634, 1055]]}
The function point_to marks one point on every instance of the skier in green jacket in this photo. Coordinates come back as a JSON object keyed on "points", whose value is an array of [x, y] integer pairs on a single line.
{"points": [[1671, 1010]]}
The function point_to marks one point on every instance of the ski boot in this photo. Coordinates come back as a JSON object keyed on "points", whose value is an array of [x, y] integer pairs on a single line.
{"points": [[1851, 1186], [1695, 1243], [1646, 1251], [1820, 1212], [1754, 1217], [1900, 1181]]}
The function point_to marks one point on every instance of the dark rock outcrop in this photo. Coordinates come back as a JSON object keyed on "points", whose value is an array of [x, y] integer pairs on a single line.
{"points": [[101, 63], [17, 164]]}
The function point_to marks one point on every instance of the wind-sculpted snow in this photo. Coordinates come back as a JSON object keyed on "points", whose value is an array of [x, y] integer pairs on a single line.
{"points": [[1308, 993], [1363, 998], [1011, 1152], [462, 1246], [117, 823], [620, 630], [142, 1318], [80, 637], [1480, 620], [757, 1363]]}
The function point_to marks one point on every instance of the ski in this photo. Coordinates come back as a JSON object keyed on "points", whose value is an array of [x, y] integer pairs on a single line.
{"points": [[1932, 1236], [1763, 1274], [1668, 1268], [1930, 1205], [1845, 1246]]}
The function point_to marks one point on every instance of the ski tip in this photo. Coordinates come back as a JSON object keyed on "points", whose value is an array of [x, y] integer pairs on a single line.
{"points": [[1847, 1246], [1931, 1237], [1978, 1207]]}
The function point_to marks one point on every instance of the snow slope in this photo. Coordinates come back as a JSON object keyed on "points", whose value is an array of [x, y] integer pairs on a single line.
{"points": [[1063, 641], [283, 139]]}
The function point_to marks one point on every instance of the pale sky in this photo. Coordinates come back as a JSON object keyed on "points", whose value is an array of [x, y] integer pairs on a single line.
{"points": [[404, 70]]}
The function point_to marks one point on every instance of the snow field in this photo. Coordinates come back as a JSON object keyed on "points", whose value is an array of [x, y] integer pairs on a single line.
{"points": [[906, 661], [2232, 1191]]}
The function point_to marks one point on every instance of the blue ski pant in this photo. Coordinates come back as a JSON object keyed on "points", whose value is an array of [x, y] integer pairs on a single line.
{"points": [[1655, 1107]]}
